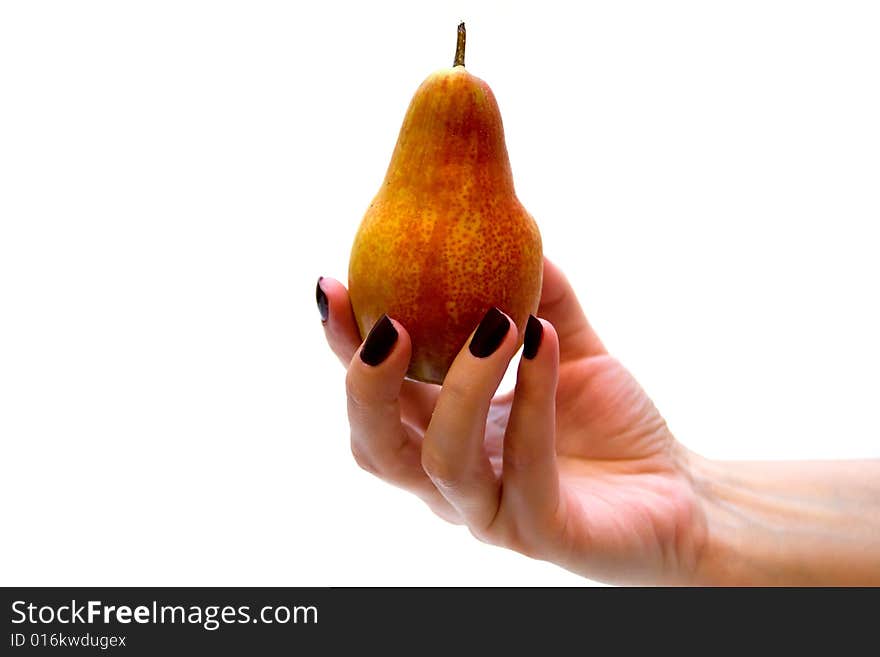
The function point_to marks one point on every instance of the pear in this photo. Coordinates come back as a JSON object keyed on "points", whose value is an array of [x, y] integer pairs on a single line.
{"points": [[446, 239]]}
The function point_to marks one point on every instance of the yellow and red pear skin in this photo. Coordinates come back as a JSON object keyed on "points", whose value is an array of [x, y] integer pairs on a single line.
{"points": [[446, 238]]}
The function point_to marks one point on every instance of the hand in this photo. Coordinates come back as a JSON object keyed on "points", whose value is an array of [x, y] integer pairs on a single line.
{"points": [[574, 466]]}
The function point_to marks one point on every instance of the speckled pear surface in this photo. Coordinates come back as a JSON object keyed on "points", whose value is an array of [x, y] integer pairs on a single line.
{"points": [[446, 238]]}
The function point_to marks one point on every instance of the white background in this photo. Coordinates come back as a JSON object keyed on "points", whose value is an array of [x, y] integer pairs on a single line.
{"points": [[174, 176]]}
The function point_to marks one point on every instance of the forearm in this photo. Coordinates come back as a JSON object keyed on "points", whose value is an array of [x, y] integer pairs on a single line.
{"points": [[789, 523]]}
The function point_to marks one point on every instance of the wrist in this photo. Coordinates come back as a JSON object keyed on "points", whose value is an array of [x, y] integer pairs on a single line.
{"points": [[787, 523], [725, 509]]}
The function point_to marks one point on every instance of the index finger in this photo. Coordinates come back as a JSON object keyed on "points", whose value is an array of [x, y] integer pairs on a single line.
{"points": [[341, 330]]}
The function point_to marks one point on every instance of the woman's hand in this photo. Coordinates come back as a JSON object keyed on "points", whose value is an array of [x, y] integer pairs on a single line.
{"points": [[575, 466]]}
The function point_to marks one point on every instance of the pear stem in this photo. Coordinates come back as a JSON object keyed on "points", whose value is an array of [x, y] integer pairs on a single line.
{"points": [[459, 46]]}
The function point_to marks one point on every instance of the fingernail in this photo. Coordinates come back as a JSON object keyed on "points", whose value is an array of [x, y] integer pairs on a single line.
{"points": [[379, 342], [534, 333], [489, 334], [323, 303]]}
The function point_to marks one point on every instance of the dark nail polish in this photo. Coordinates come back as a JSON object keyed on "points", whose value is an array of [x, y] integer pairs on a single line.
{"points": [[534, 333], [489, 334], [379, 342], [321, 298]]}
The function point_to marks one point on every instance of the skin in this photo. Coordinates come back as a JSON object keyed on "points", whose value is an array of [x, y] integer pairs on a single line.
{"points": [[576, 466]]}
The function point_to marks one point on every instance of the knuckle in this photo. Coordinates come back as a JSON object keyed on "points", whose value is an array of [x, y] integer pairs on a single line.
{"points": [[442, 471], [352, 390], [363, 459], [458, 389], [500, 531], [441, 508], [484, 536], [504, 532]]}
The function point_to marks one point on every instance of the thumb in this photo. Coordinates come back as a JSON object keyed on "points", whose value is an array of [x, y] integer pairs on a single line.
{"points": [[559, 305]]}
